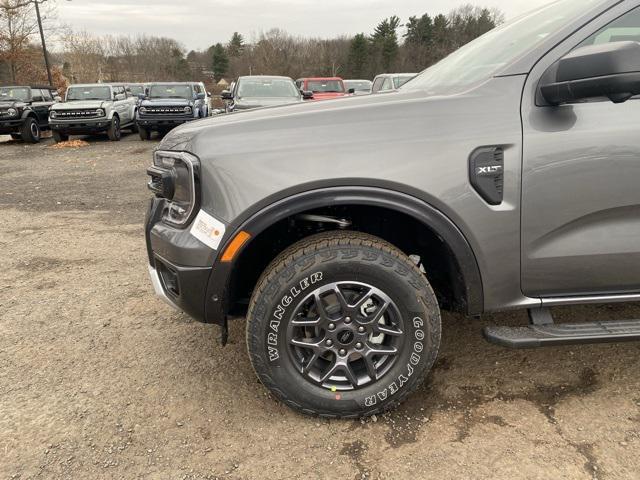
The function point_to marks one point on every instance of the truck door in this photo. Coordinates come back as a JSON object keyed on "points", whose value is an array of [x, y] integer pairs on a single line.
{"points": [[581, 182]]}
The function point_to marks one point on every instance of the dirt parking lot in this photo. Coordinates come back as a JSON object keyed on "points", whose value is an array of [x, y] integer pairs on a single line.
{"points": [[99, 379]]}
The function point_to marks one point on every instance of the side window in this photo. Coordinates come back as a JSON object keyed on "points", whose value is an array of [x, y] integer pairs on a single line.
{"points": [[377, 85], [36, 95], [46, 95], [299, 84], [625, 28], [388, 84], [197, 88]]}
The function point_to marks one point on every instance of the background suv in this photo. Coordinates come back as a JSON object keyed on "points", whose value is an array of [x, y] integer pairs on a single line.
{"points": [[24, 111], [261, 91], [167, 105], [387, 82], [93, 108]]}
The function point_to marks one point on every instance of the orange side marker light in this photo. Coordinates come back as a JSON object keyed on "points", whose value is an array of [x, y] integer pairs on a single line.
{"points": [[234, 246]]}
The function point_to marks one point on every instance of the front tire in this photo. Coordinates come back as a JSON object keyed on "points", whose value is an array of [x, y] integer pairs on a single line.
{"points": [[30, 131], [145, 133], [343, 325], [114, 133], [58, 136]]}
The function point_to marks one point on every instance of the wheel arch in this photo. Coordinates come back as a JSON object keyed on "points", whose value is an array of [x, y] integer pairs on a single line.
{"points": [[402, 204]]}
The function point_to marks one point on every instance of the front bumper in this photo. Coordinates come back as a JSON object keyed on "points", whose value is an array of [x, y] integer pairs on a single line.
{"points": [[162, 122], [10, 126], [81, 127], [183, 271]]}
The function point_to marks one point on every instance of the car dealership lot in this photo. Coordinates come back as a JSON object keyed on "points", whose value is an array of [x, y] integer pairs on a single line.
{"points": [[99, 379]]}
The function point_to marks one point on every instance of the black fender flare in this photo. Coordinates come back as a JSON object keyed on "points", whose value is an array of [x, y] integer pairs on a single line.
{"points": [[425, 213]]}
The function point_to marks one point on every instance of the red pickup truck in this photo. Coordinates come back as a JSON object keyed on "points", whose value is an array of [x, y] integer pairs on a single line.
{"points": [[323, 88]]}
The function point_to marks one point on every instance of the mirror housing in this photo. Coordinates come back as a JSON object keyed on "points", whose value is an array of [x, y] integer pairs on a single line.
{"points": [[119, 96], [142, 96], [609, 70], [307, 94], [351, 91], [208, 94], [226, 95], [201, 96], [57, 98]]}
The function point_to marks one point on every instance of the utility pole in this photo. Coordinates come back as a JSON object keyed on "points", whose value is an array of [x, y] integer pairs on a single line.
{"points": [[44, 45]]}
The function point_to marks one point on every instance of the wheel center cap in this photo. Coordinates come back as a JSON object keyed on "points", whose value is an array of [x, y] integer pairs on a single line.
{"points": [[345, 337]]}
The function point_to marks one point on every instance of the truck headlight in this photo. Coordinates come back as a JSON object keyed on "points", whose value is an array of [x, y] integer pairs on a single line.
{"points": [[142, 110], [100, 112], [188, 110], [53, 114], [176, 175], [12, 112]]}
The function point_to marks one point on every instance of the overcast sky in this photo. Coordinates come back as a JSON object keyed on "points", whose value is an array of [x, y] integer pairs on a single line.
{"points": [[201, 23]]}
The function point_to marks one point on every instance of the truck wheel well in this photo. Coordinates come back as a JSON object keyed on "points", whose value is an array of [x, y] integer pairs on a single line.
{"points": [[404, 231]]}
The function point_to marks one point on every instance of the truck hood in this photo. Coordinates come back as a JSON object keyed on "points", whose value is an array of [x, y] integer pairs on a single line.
{"points": [[166, 102], [12, 104], [247, 103], [79, 105], [303, 117]]}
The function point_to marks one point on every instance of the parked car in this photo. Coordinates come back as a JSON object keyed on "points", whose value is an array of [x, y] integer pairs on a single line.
{"points": [[516, 188], [359, 87], [388, 82], [93, 108], [199, 87], [262, 91], [323, 88], [135, 89], [168, 105], [24, 111]]}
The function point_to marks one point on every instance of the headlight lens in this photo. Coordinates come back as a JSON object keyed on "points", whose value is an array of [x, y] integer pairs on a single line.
{"points": [[188, 110], [184, 170], [100, 112], [142, 110], [53, 114], [12, 112]]}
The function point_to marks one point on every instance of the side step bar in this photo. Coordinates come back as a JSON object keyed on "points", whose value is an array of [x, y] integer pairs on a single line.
{"points": [[543, 332]]}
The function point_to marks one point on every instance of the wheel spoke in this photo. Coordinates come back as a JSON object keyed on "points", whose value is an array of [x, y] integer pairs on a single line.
{"points": [[312, 345], [330, 371], [311, 362], [346, 369], [344, 305], [382, 350], [371, 367], [387, 330], [306, 322], [322, 311]]}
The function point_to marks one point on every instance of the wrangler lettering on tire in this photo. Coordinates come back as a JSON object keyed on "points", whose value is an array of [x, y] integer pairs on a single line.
{"points": [[342, 324]]}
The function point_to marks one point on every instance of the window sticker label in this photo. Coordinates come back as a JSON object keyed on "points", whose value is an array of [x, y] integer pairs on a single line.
{"points": [[208, 230]]}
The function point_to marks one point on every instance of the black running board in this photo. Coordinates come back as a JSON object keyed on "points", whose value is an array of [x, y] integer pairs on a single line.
{"points": [[534, 336]]}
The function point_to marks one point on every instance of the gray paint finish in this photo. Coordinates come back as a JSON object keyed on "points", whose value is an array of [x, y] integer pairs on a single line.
{"points": [[576, 181]]}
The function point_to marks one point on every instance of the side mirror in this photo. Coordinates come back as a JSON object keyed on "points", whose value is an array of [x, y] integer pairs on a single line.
{"points": [[208, 94], [142, 96], [226, 95], [57, 98], [609, 70], [119, 96], [351, 91], [201, 96], [307, 94]]}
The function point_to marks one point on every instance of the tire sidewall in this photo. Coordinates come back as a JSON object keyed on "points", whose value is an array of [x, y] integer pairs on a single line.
{"points": [[279, 300]]}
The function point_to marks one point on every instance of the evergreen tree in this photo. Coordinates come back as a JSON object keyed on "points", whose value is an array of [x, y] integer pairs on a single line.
{"points": [[236, 45], [358, 56], [385, 41], [219, 61]]}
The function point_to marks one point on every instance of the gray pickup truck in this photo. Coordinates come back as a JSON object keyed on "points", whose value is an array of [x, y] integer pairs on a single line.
{"points": [[504, 177]]}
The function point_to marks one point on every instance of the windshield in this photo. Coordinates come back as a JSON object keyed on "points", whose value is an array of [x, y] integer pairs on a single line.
{"points": [[400, 80], [88, 93], [171, 91], [136, 89], [267, 87], [358, 85], [485, 56], [325, 86], [22, 94]]}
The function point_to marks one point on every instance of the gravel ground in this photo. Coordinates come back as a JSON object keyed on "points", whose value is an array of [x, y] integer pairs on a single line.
{"points": [[99, 379]]}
